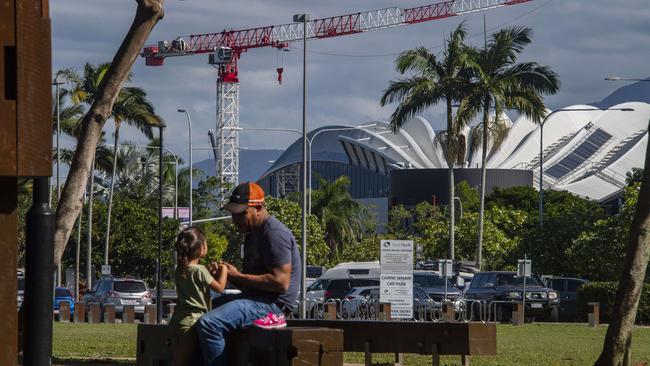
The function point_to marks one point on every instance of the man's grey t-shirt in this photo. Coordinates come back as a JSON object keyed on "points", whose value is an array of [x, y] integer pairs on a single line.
{"points": [[272, 246]]}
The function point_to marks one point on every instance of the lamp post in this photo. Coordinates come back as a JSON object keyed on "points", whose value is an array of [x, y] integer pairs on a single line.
{"points": [[303, 18], [189, 124], [159, 308], [541, 151], [190, 221]]}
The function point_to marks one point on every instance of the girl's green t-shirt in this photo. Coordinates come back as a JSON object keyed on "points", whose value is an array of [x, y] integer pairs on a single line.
{"points": [[193, 290]]}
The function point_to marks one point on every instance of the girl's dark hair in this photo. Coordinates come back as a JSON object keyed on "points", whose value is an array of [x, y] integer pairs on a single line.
{"points": [[188, 245]]}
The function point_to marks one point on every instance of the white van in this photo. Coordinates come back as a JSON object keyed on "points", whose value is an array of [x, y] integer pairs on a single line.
{"points": [[337, 281]]}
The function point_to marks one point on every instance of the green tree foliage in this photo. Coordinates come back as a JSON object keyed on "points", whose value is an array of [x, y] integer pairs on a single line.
{"points": [[600, 250], [135, 247], [469, 196], [566, 216], [341, 217]]}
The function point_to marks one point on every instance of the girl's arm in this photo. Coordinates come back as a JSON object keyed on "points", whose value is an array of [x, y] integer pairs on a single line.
{"points": [[221, 277]]}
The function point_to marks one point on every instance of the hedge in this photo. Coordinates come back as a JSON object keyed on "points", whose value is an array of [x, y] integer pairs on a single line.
{"points": [[605, 293]]}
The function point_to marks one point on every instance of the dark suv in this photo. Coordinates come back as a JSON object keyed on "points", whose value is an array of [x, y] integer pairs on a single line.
{"points": [[568, 289], [507, 288]]}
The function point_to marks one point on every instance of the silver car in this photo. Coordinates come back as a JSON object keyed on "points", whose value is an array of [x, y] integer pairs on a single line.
{"points": [[120, 291]]}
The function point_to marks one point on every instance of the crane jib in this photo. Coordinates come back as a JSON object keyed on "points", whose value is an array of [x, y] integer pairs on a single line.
{"points": [[280, 35]]}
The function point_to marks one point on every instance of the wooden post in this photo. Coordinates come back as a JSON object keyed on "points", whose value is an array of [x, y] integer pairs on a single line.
{"points": [[25, 151], [594, 314], [109, 314], [367, 354], [384, 311], [399, 359], [79, 312], [150, 314], [464, 360], [64, 311], [128, 314], [94, 312], [435, 355], [518, 314], [448, 312], [330, 311]]}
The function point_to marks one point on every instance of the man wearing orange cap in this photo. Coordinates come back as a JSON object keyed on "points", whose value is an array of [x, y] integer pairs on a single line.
{"points": [[269, 279]]}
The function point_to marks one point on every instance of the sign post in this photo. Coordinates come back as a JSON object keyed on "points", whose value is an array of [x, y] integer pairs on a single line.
{"points": [[445, 270], [523, 270], [396, 279]]}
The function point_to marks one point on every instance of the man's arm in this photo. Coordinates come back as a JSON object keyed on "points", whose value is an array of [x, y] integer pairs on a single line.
{"points": [[277, 280]]}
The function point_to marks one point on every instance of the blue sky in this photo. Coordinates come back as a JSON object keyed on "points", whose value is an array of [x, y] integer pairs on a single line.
{"points": [[583, 41]]}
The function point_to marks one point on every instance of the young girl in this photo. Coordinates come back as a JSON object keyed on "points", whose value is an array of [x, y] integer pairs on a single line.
{"points": [[193, 284]]}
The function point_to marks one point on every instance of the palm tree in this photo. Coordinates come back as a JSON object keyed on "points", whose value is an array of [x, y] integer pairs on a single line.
{"points": [[131, 107], [435, 81], [341, 217], [500, 83]]}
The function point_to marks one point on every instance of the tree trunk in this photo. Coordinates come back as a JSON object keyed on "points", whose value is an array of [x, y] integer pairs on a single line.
{"points": [[481, 210], [110, 194], [618, 340], [89, 247], [451, 158], [147, 15]]}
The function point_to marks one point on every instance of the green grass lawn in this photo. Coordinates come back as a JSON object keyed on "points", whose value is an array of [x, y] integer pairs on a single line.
{"points": [[532, 344]]}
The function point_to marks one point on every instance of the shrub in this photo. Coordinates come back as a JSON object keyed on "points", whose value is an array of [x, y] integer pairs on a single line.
{"points": [[605, 293]]}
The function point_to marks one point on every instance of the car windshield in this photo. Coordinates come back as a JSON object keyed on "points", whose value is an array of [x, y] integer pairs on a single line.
{"points": [[511, 279], [431, 280], [61, 292], [129, 286]]}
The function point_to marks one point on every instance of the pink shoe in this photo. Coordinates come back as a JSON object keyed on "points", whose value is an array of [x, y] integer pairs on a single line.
{"points": [[271, 321]]}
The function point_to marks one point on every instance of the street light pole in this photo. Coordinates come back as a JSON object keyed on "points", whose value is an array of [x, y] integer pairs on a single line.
{"points": [[189, 123], [541, 151], [159, 308], [304, 18]]}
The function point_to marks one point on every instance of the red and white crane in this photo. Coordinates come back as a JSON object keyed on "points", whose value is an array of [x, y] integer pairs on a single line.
{"points": [[225, 49]]}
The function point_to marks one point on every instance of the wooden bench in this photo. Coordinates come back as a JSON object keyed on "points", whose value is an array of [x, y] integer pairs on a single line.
{"points": [[252, 346], [428, 338]]}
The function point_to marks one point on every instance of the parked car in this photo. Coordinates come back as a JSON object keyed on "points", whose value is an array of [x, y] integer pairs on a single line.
{"points": [[120, 291], [507, 288], [568, 289], [63, 294], [337, 282], [434, 286], [359, 302], [363, 302]]}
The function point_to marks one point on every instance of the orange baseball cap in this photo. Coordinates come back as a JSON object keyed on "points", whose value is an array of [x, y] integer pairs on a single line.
{"points": [[245, 195]]}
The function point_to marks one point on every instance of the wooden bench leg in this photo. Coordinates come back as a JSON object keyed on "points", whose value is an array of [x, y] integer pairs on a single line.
{"points": [[464, 360], [368, 355], [435, 356]]}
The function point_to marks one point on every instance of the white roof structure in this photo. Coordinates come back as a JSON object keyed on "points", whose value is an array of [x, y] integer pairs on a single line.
{"points": [[587, 152]]}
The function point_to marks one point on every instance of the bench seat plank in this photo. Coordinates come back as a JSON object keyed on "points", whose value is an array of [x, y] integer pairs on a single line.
{"points": [[411, 337]]}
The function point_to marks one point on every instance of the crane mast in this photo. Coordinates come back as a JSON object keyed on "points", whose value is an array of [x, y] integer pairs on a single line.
{"points": [[226, 47]]}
